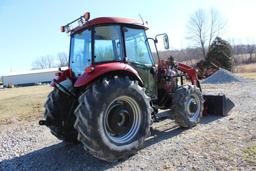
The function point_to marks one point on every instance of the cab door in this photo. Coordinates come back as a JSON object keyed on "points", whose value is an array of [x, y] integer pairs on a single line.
{"points": [[139, 56]]}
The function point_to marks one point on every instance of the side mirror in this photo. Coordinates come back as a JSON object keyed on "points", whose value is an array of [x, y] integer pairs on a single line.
{"points": [[166, 41]]}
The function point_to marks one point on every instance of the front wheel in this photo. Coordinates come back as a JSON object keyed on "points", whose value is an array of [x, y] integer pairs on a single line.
{"points": [[113, 118], [188, 106]]}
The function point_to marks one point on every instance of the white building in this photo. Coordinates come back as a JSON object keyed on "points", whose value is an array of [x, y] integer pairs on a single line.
{"points": [[30, 77]]}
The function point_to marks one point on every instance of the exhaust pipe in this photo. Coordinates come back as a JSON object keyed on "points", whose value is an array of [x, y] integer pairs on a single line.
{"points": [[44, 122], [49, 123]]}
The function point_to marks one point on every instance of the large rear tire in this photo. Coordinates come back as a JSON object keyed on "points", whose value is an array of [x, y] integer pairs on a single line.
{"points": [[59, 113], [113, 118], [188, 106]]}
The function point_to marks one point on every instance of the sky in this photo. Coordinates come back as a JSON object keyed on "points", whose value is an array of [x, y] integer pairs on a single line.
{"points": [[31, 28]]}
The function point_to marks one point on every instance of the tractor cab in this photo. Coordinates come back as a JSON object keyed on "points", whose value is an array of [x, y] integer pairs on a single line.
{"points": [[107, 41]]}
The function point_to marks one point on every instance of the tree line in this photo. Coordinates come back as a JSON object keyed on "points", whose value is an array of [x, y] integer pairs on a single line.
{"points": [[50, 61], [203, 28], [243, 54]]}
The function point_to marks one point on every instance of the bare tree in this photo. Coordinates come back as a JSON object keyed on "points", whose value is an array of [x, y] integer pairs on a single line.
{"points": [[251, 50], [43, 62], [217, 25], [197, 27], [203, 27], [251, 47], [62, 59]]}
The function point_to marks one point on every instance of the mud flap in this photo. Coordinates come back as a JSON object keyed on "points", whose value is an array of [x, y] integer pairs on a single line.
{"points": [[217, 105]]}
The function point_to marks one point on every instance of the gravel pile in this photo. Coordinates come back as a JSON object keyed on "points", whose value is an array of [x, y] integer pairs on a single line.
{"points": [[222, 76]]}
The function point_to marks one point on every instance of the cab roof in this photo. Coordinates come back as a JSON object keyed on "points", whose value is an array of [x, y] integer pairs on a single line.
{"points": [[110, 20]]}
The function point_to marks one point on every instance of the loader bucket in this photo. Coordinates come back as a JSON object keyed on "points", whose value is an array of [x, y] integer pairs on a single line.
{"points": [[217, 105]]}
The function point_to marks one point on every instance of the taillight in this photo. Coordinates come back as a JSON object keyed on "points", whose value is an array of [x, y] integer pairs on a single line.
{"points": [[89, 69], [58, 74], [62, 29], [86, 16]]}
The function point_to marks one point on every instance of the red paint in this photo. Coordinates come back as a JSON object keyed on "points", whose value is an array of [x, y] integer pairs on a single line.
{"points": [[163, 67], [110, 20], [114, 20], [190, 71], [61, 76], [102, 69]]}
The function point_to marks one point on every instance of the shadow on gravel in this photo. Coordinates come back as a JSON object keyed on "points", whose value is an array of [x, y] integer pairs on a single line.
{"points": [[159, 136], [175, 130], [210, 118], [65, 156], [60, 156]]}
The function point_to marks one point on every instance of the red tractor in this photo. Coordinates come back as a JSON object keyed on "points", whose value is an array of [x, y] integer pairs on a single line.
{"points": [[111, 92]]}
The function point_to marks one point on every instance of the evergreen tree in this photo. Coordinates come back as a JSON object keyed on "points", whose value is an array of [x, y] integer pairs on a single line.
{"points": [[220, 53]]}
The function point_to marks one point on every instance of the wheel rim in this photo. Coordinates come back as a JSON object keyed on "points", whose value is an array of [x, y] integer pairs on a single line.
{"points": [[122, 120], [193, 107]]}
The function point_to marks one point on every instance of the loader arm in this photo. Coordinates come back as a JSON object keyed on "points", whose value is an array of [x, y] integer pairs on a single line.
{"points": [[191, 72]]}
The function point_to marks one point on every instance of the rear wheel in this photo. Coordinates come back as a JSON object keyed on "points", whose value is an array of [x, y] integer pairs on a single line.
{"points": [[59, 113], [113, 118], [188, 106]]}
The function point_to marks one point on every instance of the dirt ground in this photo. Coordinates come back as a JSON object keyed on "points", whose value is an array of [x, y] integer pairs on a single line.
{"points": [[218, 143]]}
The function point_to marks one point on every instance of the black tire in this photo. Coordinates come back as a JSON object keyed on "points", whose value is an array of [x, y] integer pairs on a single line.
{"points": [[188, 104], [59, 112], [104, 117]]}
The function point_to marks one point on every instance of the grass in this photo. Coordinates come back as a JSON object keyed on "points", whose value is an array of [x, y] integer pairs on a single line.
{"points": [[250, 75], [250, 154], [24, 103], [246, 68]]}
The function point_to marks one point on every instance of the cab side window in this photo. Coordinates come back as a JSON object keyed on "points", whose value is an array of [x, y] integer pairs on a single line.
{"points": [[107, 44], [137, 47]]}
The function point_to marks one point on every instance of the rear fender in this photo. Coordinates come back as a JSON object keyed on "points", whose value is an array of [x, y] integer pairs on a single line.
{"points": [[104, 69]]}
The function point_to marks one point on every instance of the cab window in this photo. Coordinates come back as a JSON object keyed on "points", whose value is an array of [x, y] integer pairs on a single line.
{"points": [[137, 47], [80, 52], [107, 44]]}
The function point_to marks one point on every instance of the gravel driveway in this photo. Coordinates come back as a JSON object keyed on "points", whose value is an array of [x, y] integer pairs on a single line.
{"points": [[218, 143]]}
